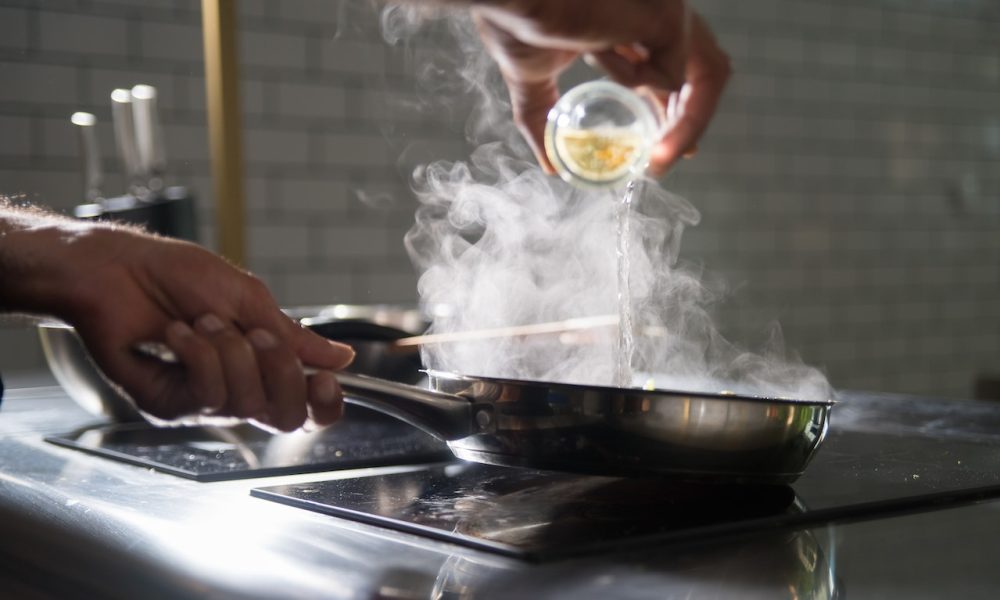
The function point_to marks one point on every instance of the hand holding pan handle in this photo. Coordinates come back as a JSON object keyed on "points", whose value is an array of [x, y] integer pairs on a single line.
{"points": [[444, 416]]}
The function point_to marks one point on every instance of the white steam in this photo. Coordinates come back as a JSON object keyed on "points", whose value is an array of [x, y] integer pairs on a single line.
{"points": [[503, 244]]}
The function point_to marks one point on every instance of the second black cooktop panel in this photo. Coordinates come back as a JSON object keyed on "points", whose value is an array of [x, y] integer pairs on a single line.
{"points": [[541, 515]]}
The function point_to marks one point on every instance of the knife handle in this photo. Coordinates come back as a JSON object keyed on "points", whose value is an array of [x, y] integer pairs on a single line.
{"points": [[90, 154], [148, 136], [124, 124]]}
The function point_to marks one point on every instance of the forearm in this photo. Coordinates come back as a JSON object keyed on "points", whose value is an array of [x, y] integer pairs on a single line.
{"points": [[35, 247]]}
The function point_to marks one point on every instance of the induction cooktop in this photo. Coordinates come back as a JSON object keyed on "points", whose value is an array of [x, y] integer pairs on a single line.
{"points": [[540, 515], [363, 438]]}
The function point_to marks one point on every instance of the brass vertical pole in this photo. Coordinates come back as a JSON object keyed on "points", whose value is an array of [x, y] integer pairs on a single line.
{"points": [[224, 122]]}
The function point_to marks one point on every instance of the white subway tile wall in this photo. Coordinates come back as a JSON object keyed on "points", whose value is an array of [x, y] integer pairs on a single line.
{"points": [[850, 185]]}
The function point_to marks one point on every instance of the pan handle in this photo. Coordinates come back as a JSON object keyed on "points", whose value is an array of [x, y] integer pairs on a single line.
{"points": [[444, 416]]}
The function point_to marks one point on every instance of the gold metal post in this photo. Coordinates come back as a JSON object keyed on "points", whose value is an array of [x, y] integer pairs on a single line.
{"points": [[224, 123]]}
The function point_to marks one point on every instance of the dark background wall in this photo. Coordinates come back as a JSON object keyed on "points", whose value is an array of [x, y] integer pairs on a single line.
{"points": [[850, 186]]}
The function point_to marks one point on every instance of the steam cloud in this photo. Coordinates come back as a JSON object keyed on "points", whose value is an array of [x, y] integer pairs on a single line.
{"points": [[501, 244]]}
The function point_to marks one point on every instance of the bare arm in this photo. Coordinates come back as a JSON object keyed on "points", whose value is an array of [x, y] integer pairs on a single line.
{"points": [[241, 356]]}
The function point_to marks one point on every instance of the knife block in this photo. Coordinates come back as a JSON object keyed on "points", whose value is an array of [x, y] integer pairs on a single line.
{"points": [[170, 212]]}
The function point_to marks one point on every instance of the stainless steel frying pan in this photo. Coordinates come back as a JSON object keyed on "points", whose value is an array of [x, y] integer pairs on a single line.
{"points": [[606, 430], [590, 429]]}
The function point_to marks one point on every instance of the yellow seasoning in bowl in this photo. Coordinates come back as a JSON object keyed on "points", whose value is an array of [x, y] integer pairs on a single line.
{"points": [[599, 134]]}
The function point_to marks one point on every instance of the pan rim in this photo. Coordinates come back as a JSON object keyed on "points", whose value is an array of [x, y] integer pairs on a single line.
{"points": [[658, 392]]}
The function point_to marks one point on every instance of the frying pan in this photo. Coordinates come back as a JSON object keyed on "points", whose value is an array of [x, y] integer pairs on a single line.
{"points": [[606, 430], [718, 438], [577, 428]]}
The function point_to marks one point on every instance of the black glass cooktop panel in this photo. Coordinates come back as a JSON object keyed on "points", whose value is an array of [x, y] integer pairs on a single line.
{"points": [[363, 438], [528, 513], [541, 515]]}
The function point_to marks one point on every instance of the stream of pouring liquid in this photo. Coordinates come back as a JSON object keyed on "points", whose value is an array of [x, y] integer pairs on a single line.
{"points": [[626, 342]]}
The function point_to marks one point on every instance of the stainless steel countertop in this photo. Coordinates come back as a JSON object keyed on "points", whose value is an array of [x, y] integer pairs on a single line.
{"points": [[79, 525]]}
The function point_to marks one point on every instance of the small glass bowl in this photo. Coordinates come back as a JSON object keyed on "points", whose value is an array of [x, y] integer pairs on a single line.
{"points": [[599, 134]]}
